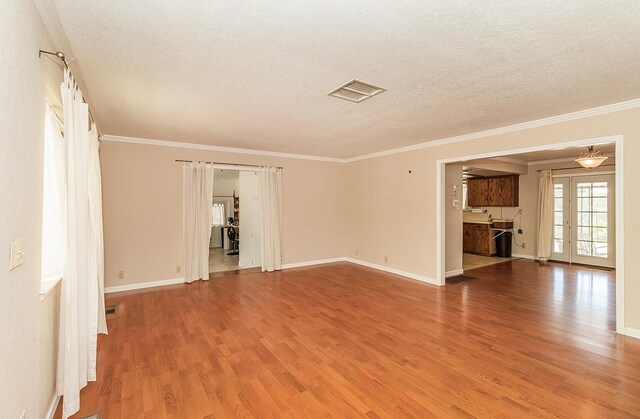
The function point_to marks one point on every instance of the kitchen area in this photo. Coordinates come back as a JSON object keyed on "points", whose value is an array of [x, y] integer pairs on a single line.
{"points": [[484, 203], [487, 232]]}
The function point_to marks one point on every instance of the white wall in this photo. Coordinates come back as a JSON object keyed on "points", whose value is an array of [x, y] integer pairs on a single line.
{"points": [[27, 326]]}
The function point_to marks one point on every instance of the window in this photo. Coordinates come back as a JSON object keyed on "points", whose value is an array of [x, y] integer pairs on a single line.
{"points": [[53, 205], [218, 215]]}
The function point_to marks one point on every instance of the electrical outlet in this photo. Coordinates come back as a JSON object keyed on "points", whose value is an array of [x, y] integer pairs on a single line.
{"points": [[386, 259], [178, 269], [120, 274]]}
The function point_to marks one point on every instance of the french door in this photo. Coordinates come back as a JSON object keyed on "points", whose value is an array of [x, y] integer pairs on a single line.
{"points": [[584, 220]]}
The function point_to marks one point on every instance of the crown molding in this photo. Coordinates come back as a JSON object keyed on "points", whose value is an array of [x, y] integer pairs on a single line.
{"points": [[601, 110], [196, 146]]}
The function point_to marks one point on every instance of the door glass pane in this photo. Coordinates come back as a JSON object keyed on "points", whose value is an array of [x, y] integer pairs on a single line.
{"points": [[599, 234], [558, 219], [592, 229], [600, 219], [584, 204], [584, 218], [600, 249], [600, 204], [584, 233], [583, 248]]}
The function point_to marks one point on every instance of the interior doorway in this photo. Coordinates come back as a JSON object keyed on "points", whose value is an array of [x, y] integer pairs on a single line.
{"points": [[235, 229], [596, 225]]}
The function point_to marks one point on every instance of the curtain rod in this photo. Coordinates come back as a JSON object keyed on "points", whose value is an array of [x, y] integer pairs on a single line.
{"points": [[60, 55], [226, 164], [578, 167]]}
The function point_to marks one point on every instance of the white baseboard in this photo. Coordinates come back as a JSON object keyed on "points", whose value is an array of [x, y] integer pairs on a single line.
{"points": [[417, 277], [456, 272], [151, 284], [52, 407], [634, 333], [311, 263], [518, 255], [141, 285]]}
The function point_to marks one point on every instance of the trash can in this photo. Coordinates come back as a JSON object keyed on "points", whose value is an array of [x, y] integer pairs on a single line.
{"points": [[503, 244]]}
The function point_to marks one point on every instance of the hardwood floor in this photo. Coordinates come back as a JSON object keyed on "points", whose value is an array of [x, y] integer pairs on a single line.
{"points": [[341, 340]]}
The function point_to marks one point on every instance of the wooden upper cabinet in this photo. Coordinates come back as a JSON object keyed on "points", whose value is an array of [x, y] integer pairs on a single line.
{"points": [[499, 191], [478, 192], [504, 191]]}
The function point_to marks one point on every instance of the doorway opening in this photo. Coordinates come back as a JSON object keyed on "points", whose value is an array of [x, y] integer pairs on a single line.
{"points": [[235, 230], [586, 226]]}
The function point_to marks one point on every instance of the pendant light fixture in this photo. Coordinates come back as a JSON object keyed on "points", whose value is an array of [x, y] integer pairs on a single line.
{"points": [[590, 159]]}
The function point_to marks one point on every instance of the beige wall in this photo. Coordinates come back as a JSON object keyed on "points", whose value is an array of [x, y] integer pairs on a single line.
{"points": [[26, 325], [142, 205], [413, 245]]}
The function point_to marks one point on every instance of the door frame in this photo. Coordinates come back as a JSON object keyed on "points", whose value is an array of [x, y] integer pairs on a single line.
{"points": [[618, 139], [574, 257]]}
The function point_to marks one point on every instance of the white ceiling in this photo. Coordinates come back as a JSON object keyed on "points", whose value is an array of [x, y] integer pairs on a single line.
{"points": [[256, 74]]}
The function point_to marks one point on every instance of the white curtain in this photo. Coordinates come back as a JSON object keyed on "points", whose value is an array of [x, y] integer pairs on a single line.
{"points": [[270, 184], [95, 211], [544, 232], [54, 201], [197, 203], [82, 296]]}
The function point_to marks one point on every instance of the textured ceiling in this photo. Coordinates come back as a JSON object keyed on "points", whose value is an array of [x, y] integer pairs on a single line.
{"points": [[256, 74]]}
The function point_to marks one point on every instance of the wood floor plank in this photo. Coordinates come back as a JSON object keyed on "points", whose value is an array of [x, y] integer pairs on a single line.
{"points": [[340, 340]]}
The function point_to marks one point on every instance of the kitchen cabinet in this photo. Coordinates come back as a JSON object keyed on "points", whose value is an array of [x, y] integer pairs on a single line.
{"points": [[478, 239], [497, 191], [478, 192]]}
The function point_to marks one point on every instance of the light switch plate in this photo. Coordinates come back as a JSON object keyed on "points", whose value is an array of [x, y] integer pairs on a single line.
{"points": [[17, 254]]}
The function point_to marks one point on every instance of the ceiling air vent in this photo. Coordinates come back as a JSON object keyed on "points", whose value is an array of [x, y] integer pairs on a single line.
{"points": [[356, 91]]}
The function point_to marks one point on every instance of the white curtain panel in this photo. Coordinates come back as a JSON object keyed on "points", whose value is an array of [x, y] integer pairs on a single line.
{"points": [[54, 201], [97, 233], [197, 218], [544, 232], [270, 184], [82, 296]]}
